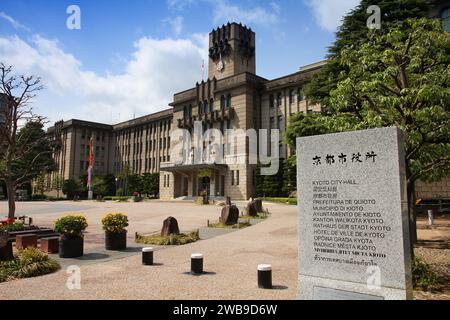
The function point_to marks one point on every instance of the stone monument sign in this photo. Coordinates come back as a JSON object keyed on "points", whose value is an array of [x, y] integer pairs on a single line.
{"points": [[353, 219]]}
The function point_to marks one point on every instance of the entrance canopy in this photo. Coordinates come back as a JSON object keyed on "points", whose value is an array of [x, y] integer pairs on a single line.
{"points": [[188, 168]]}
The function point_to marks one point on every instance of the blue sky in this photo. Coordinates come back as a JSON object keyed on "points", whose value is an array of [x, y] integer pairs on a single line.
{"points": [[130, 57]]}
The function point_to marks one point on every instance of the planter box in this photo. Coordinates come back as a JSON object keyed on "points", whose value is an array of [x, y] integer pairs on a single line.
{"points": [[116, 241], [71, 248]]}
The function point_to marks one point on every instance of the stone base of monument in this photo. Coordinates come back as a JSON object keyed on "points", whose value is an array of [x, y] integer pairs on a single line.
{"points": [[147, 256], [196, 263], [265, 276], [315, 288]]}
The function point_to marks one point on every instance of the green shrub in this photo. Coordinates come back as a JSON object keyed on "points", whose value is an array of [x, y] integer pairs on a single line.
{"points": [[292, 201], [71, 226], [423, 276], [171, 240], [118, 198], [115, 223], [11, 227], [30, 262]]}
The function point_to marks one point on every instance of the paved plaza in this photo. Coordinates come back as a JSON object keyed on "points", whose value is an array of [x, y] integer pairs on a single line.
{"points": [[230, 259]]}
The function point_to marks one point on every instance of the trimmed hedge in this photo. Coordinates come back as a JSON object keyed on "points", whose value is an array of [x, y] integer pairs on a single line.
{"points": [[116, 198], [292, 201]]}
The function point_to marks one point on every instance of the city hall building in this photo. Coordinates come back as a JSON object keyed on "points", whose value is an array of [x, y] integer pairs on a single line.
{"points": [[233, 97]]}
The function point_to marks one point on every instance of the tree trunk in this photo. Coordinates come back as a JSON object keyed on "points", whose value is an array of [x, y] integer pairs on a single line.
{"points": [[412, 215], [11, 190]]}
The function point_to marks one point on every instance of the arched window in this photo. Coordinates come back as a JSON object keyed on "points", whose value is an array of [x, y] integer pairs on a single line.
{"points": [[200, 106], [229, 101], [222, 102], [205, 107], [190, 111], [445, 16]]}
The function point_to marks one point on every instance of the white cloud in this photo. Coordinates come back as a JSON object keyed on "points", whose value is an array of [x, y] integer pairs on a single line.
{"points": [[329, 13], [179, 4], [16, 24], [157, 69], [224, 11], [176, 24]]}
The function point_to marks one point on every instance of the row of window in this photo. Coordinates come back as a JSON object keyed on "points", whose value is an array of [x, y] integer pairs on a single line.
{"points": [[278, 98], [234, 177], [139, 132], [139, 147], [207, 106], [166, 181]]}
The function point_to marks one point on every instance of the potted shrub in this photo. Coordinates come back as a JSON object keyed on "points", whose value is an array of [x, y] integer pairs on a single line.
{"points": [[114, 225], [71, 242]]}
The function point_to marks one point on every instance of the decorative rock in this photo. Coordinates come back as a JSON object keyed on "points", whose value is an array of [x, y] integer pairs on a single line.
{"points": [[50, 245], [251, 209], [197, 263], [147, 256], [170, 226], [26, 240], [265, 276], [258, 205], [229, 215]]}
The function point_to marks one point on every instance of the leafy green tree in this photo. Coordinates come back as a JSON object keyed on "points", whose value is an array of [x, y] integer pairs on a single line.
{"points": [[99, 185], [290, 175], [150, 184], [135, 184], [399, 77], [351, 34], [123, 177], [72, 188], [40, 186], [58, 182], [110, 181]]}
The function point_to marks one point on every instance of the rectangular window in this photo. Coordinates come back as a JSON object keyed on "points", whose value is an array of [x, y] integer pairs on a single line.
{"points": [[237, 177], [271, 101], [279, 96], [232, 177]]}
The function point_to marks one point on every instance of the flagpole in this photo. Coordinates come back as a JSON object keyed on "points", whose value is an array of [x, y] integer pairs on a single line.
{"points": [[91, 160]]}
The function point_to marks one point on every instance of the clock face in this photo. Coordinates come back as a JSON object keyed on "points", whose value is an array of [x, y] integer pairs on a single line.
{"points": [[220, 66]]}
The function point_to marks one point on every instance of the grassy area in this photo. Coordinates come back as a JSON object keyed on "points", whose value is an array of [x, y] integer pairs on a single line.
{"points": [[260, 216], [171, 240], [239, 225], [292, 201], [27, 263]]}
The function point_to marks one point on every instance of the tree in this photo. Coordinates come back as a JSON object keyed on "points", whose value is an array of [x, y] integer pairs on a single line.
{"points": [[399, 77], [354, 32], [123, 176], [99, 185], [40, 185], [150, 184], [110, 181], [135, 184], [290, 175], [25, 148], [58, 182], [72, 188]]}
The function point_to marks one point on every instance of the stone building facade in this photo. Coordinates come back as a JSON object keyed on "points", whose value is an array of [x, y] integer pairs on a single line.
{"points": [[140, 144], [233, 97]]}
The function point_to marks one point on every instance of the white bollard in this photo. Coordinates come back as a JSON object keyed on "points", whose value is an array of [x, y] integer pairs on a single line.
{"points": [[430, 218]]}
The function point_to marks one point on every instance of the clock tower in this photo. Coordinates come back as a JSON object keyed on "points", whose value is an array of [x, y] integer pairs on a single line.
{"points": [[231, 51]]}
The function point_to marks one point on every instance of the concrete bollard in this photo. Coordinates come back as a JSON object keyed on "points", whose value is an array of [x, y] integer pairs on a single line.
{"points": [[265, 276], [147, 256], [197, 263], [430, 217]]}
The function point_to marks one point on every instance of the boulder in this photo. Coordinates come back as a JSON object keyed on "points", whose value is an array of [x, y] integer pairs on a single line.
{"points": [[170, 226], [251, 209], [258, 205], [229, 215]]}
